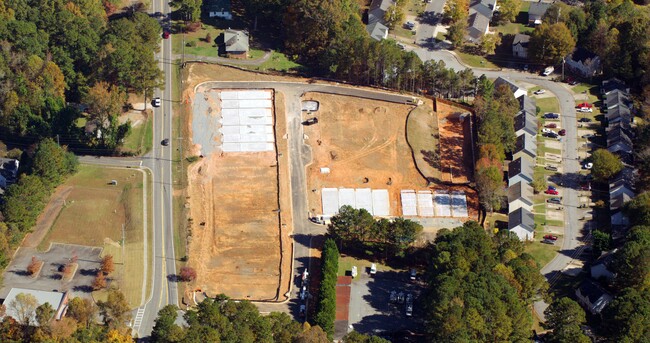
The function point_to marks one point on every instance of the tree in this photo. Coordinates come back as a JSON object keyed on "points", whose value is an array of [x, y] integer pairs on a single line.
{"points": [[189, 9], [638, 209], [99, 282], [52, 162], [62, 329], [107, 265], [34, 266], [550, 43], [606, 164], [402, 233], [394, 15], [489, 43], [187, 274], [115, 309], [82, 310], [456, 34], [627, 317], [457, 11], [564, 316], [539, 182], [355, 337], [24, 306], [165, 330], [208, 38], [490, 187], [632, 260], [44, 313], [509, 10], [312, 334], [351, 225], [326, 306], [602, 241]]}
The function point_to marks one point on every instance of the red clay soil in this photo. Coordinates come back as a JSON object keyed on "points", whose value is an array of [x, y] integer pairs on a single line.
{"points": [[455, 144], [343, 291]]}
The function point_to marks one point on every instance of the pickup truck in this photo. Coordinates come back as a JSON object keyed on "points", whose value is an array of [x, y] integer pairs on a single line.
{"points": [[548, 71]]}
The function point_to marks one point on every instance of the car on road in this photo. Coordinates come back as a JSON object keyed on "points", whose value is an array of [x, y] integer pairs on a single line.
{"points": [[539, 91], [554, 200], [548, 241], [584, 120], [562, 132], [165, 34], [550, 167], [585, 110], [551, 115], [413, 274], [401, 46], [588, 165], [548, 71], [310, 121], [551, 237], [165, 142], [156, 102], [551, 192], [588, 136], [303, 293], [551, 125]]}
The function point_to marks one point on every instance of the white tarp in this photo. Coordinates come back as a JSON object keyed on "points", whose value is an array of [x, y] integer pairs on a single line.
{"points": [[363, 199], [442, 203], [261, 103], [380, 203], [247, 112], [425, 204], [246, 147], [409, 203], [246, 138], [245, 94], [330, 200], [347, 197], [246, 129], [459, 205], [247, 120]]}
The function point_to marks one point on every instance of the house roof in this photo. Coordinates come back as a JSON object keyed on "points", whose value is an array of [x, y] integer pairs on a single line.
{"points": [[236, 40], [617, 97], [582, 55], [619, 113], [596, 295], [218, 5], [537, 10], [523, 218], [377, 31], [527, 122], [521, 191], [526, 143], [503, 81], [619, 135], [377, 11], [626, 175], [478, 24], [521, 39], [527, 104], [606, 258], [521, 166], [613, 84], [54, 298], [619, 200]]}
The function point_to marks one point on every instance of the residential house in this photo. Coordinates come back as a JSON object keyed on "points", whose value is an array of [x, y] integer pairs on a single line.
{"points": [[520, 195], [536, 12], [480, 15], [525, 123], [521, 222], [592, 296], [527, 104], [236, 42], [218, 9], [520, 170], [603, 266], [613, 84], [8, 171], [516, 90], [377, 31], [621, 115], [520, 45], [619, 140], [525, 146], [57, 300], [583, 62]]}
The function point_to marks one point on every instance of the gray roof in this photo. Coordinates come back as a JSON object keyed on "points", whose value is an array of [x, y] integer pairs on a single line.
{"points": [[606, 258], [626, 175], [527, 122], [527, 104], [619, 135], [522, 39], [377, 11], [537, 10], [613, 84], [478, 25], [521, 166], [595, 294], [236, 40], [503, 81], [619, 113], [526, 143], [617, 98], [377, 30], [521, 191], [54, 298], [523, 218]]}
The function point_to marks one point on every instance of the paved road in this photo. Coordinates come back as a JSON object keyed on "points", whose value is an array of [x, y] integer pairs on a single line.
{"points": [[224, 60], [427, 23]]}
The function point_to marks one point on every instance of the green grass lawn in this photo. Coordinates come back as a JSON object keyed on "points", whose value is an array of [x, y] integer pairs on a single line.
{"points": [[513, 29], [278, 61], [140, 139], [475, 60], [346, 263], [255, 54], [202, 47], [581, 87], [441, 36], [549, 104], [542, 253]]}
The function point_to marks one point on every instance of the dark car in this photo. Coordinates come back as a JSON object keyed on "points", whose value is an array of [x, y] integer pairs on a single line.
{"points": [[555, 200], [165, 34], [550, 167], [550, 134], [165, 142], [550, 125], [548, 241], [551, 115], [310, 121], [585, 186], [552, 187], [584, 120], [562, 132]]}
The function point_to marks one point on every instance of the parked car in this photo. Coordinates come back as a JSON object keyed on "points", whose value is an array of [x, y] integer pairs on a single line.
{"points": [[573, 82], [165, 142], [401, 46], [305, 274], [551, 192], [409, 310], [551, 115], [548, 241], [587, 136], [555, 200], [155, 102], [165, 34], [588, 165], [525, 67], [585, 186], [552, 187], [400, 297], [373, 269], [409, 25], [303, 309], [413, 274], [550, 134], [562, 132], [550, 167], [545, 130], [310, 121], [585, 120], [539, 91], [551, 125], [585, 110], [303, 293], [548, 71], [551, 237], [393, 296]]}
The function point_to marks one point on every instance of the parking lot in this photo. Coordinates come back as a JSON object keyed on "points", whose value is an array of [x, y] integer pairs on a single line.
{"points": [[371, 310]]}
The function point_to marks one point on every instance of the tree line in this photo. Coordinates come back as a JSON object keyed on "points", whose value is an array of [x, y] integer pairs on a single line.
{"points": [[59, 52], [326, 305], [45, 167]]}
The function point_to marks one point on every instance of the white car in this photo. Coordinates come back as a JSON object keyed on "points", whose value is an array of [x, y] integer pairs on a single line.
{"points": [[545, 130], [588, 165], [373, 269], [156, 102], [539, 91], [585, 109]]}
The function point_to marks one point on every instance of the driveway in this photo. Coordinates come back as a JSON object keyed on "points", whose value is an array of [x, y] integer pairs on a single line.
{"points": [[430, 18]]}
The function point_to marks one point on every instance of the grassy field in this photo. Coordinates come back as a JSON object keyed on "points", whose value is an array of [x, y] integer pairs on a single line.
{"points": [[513, 29], [549, 104], [346, 263], [542, 253], [422, 136], [202, 48], [475, 60], [99, 214], [140, 139], [279, 62]]}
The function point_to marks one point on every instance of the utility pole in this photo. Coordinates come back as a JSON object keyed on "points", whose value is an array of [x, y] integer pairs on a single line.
{"points": [[563, 61], [57, 140]]}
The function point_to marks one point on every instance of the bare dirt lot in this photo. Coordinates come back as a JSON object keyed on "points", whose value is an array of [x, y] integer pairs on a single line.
{"points": [[360, 139], [455, 144]]}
